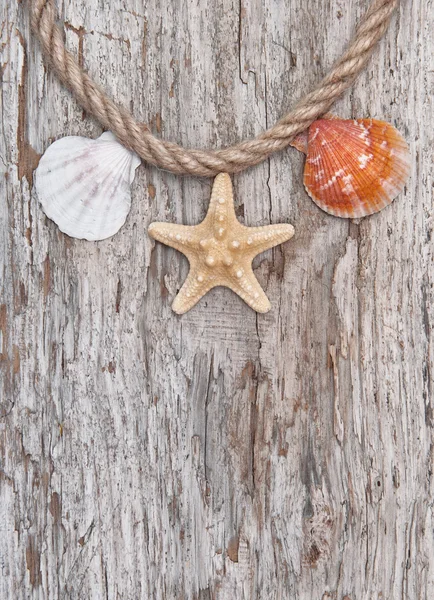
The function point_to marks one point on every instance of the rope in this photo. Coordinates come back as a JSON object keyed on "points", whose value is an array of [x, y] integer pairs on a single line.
{"points": [[170, 156]]}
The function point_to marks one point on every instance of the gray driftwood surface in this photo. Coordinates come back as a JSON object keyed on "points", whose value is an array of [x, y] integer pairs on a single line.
{"points": [[223, 454]]}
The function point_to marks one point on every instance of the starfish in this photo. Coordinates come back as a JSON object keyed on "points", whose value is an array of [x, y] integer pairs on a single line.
{"points": [[220, 250]]}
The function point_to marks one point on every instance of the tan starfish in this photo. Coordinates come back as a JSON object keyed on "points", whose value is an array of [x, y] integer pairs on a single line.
{"points": [[220, 250]]}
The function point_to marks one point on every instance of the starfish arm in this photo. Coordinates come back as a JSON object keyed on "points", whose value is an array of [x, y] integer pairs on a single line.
{"points": [[194, 288], [180, 237], [260, 239], [221, 207], [249, 289]]}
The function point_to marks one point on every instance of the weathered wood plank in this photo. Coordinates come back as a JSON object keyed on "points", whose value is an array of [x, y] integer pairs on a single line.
{"points": [[222, 454]]}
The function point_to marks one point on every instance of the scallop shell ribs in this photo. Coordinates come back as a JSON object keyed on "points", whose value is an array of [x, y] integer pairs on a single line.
{"points": [[84, 185], [353, 168]]}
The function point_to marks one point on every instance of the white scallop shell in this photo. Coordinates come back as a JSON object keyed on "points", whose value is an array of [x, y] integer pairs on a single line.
{"points": [[84, 185]]}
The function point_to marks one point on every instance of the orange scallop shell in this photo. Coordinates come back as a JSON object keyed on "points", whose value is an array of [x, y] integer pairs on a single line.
{"points": [[353, 167]]}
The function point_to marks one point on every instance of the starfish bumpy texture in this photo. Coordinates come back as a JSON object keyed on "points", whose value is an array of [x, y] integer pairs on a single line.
{"points": [[220, 250]]}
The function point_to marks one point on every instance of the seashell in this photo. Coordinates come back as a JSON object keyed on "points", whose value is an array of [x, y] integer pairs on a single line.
{"points": [[355, 167], [84, 185]]}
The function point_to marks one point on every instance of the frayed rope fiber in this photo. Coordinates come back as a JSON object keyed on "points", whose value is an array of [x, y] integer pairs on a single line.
{"points": [[170, 156]]}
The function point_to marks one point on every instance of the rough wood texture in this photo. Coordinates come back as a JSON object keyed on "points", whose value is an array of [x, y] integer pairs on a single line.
{"points": [[222, 454]]}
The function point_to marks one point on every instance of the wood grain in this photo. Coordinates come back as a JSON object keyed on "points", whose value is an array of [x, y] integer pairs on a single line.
{"points": [[223, 454]]}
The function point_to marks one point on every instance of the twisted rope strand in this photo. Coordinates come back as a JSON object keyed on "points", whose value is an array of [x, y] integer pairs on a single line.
{"points": [[172, 157]]}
